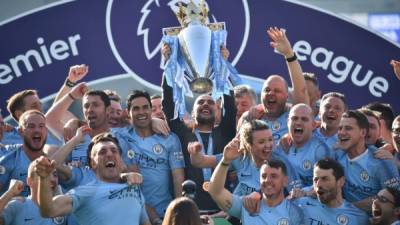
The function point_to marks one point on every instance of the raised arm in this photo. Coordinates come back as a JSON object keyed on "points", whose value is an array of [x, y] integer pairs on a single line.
{"points": [[59, 157], [54, 121], [216, 189], [280, 43], [75, 74], [50, 206], [396, 68]]}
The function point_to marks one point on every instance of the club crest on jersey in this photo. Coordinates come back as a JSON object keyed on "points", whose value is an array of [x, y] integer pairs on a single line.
{"points": [[276, 125], [364, 176], [2, 170], [342, 220], [130, 154], [59, 220], [283, 221], [158, 149], [307, 165]]}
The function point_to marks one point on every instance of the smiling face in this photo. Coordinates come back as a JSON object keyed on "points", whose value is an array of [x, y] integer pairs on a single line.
{"points": [[106, 161], [33, 130], [115, 118], [204, 110], [95, 112], [300, 124], [272, 181], [274, 96], [262, 144], [140, 113], [331, 111], [350, 135], [243, 104], [156, 109]]}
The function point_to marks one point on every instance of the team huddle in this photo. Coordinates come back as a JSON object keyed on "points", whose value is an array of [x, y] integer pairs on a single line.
{"points": [[297, 158]]}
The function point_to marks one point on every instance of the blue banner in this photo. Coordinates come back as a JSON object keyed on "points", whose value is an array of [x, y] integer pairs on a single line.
{"points": [[124, 37]]}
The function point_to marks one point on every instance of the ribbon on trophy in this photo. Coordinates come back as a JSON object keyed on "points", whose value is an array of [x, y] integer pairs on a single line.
{"points": [[195, 63]]}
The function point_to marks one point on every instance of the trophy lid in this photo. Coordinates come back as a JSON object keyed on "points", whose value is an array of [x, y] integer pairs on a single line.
{"points": [[192, 13]]}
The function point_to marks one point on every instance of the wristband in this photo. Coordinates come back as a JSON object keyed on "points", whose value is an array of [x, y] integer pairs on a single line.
{"points": [[225, 164], [291, 59], [72, 97], [69, 83]]}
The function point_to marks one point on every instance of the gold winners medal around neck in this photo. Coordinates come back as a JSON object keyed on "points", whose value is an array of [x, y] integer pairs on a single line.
{"points": [[206, 185]]}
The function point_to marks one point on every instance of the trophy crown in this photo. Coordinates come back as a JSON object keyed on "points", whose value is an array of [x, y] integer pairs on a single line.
{"points": [[192, 13]]}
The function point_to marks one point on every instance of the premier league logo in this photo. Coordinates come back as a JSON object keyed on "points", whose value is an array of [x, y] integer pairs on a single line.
{"points": [[342, 220], [135, 32], [364, 176]]}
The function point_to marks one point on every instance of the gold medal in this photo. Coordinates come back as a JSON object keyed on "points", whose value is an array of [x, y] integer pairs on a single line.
{"points": [[206, 185]]}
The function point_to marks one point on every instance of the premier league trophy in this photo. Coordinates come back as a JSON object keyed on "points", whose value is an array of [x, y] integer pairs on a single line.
{"points": [[195, 64]]}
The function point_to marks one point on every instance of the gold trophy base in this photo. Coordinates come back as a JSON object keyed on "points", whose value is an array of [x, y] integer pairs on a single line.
{"points": [[201, 85]]}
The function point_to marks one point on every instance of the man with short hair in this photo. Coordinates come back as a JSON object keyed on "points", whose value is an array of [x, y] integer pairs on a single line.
{"points": [[14, 165], [365, 174], [274, 208], [116, 117], [306, 149], [156, 107], [245, 98], [374, 130], [275, 91], [105, 200], [159, 158], [396, 140], [386, 207], [333, 105], [18, 104], [26, 211], [386, 113], [330, 207]]}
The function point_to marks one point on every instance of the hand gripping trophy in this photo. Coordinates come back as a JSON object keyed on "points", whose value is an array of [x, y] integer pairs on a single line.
{"points": [[196, 64]]}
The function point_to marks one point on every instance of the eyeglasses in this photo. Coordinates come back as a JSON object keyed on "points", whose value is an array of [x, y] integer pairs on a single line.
{"points": [[382, 199]]}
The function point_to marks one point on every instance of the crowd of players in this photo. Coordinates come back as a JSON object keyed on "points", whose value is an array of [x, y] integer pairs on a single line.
{"points": [[299, 157]]}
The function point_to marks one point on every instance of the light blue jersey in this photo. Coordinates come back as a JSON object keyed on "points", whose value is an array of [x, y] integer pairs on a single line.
{"points": [[397, 222], [18, 212], [316, 213], [100, 203], [279, 126], [14, 137], [304, 158], [157, 156], [366, 175], [286, 213], [330, 141], [5, 149], [14, 165], [79, 176], [249, 175], [79, 152]]}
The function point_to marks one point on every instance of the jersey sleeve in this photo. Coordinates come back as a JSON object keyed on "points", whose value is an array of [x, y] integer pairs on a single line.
{"points": [[296, 215], [388, 174], [236, 208], [176, 160], [11, 210], [7, 165], [80, 195]]}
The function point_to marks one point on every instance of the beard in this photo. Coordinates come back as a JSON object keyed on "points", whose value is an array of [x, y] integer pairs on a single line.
{"points": [[31, 147], [205, 120]]}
